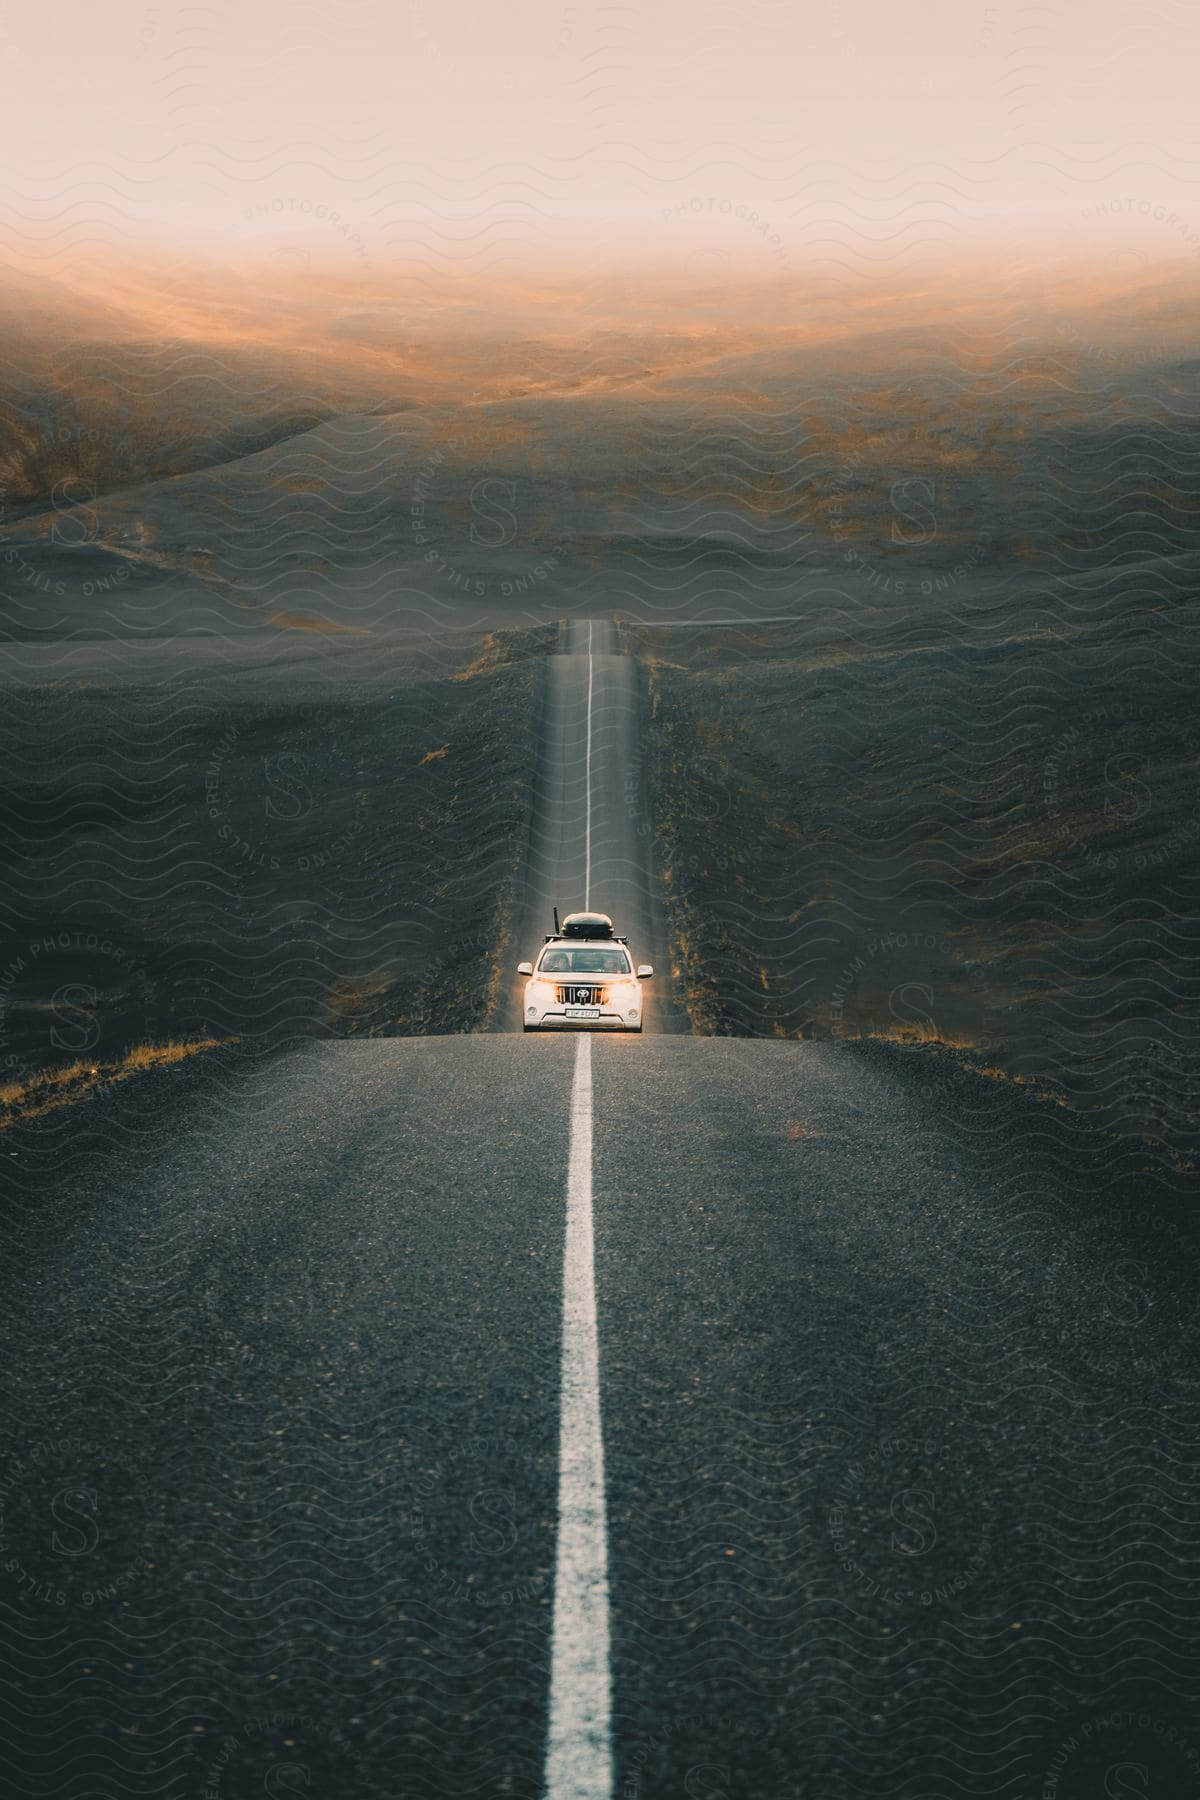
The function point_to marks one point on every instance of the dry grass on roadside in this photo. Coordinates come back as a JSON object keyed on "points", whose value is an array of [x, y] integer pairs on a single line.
{"points": [[319, 627], [52, 1088]]}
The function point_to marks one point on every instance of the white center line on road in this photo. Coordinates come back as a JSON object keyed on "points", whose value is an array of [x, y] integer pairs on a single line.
{"points": [[587, 782], [579, 1748]]}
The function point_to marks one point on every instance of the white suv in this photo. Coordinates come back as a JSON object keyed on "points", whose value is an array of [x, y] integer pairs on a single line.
{"points": [[584, 980]]}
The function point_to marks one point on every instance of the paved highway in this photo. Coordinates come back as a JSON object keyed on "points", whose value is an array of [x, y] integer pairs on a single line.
{"points": [[894, 1497], [592, 844], [640, 1416]]}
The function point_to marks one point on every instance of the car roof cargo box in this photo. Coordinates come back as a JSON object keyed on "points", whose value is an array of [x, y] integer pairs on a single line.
{"points": [[587, 925]]}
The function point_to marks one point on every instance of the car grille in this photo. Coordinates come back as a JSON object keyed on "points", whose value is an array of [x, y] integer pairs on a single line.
{"points": [[581, 996]]}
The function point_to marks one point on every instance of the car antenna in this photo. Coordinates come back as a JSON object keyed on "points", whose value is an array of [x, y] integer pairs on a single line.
{"points": [[557, 926]]}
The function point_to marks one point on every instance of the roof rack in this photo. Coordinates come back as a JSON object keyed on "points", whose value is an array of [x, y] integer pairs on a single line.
{"points": [[561, 937]]}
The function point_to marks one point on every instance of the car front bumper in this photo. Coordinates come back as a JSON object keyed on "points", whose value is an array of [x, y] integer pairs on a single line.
{"points": [[602, 1018]]}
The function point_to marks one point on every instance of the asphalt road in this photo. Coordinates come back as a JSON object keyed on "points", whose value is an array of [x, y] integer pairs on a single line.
{"points": [[900, 1467], [898, 1480]]}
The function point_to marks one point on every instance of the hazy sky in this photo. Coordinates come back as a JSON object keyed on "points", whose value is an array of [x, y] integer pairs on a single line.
{"points": [[448, 133]]}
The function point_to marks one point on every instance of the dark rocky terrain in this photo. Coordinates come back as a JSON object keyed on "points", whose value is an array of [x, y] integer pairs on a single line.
{"points": [[916, 604]]}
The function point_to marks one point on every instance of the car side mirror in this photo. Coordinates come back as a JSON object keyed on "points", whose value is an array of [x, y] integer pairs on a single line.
{"points": [[645, 970], [524, 968]]}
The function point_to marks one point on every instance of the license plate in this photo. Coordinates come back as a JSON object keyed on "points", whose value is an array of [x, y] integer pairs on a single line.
{"points": [[583, 1012]]}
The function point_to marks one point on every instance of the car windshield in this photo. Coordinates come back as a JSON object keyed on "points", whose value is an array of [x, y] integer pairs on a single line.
{"points": [[583, 962]]}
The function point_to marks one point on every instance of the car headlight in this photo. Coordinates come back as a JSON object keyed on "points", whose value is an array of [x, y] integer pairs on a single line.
{"points": [[541, 991]]}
